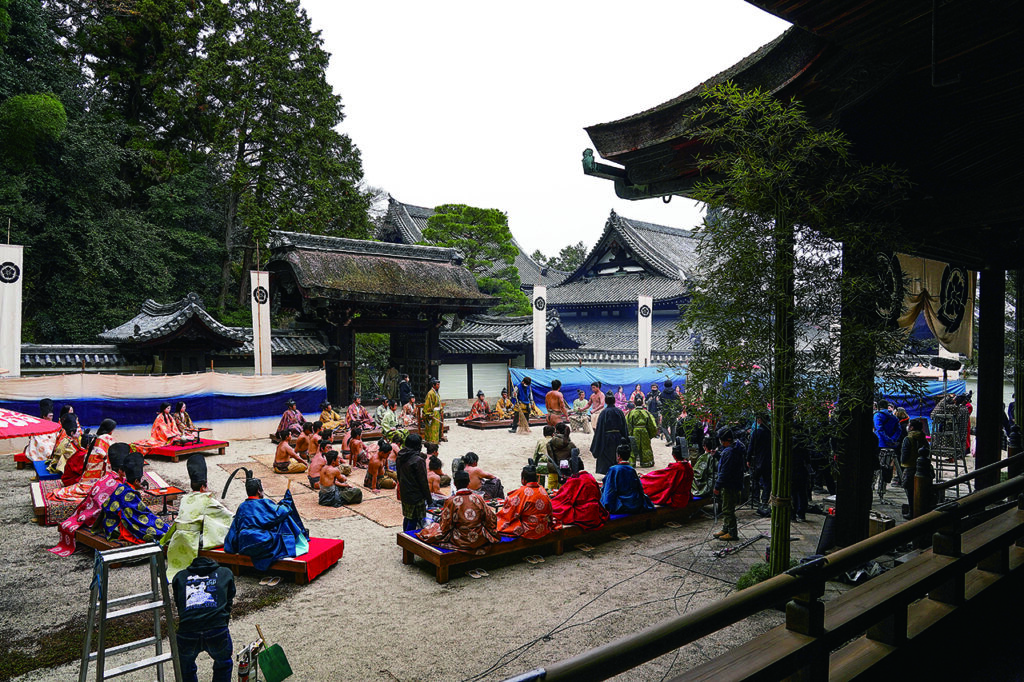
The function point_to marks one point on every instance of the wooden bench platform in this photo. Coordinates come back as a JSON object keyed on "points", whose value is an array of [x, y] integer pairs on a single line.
{"points": [[444, 560], [173, 452], [39, 502], [301, 570], [496, 423], [323, 553]]}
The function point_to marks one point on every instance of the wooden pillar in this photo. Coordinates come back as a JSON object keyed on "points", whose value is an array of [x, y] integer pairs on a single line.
{"points": [[343, 385], [858, 444], [1018, 339], [989, 400]]}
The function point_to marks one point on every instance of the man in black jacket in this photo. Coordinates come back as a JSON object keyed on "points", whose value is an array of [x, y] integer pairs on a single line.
{"points": [[729, 482], [413, 488], [761, 462], [203, 594]]}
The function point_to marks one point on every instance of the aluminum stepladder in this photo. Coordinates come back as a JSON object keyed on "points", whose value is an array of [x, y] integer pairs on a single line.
{"points": [[156, 601]]}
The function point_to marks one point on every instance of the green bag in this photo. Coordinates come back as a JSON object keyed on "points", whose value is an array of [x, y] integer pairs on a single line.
{"points": [[274, 664]]}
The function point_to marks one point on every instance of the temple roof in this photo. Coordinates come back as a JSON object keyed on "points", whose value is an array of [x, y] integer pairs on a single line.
{"points": [[404, 224], [614, 339], [376, 272], [931, 88], [159, 323], [73, 356], [283, 342], [504, 335], [632, 258]]}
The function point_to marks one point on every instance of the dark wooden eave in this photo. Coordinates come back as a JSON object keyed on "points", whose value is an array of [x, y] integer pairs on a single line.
{"points": [[939, 95]]}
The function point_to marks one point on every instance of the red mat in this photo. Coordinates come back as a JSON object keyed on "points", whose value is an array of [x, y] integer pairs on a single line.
{"points": [[323, 553], [175, 450]]}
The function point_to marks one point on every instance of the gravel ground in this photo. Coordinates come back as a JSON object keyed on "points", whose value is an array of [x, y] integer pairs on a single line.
{"points": [[372, 618]]}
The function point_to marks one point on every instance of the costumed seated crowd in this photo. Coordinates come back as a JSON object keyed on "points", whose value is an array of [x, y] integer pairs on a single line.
{"points": [[468, 522]]}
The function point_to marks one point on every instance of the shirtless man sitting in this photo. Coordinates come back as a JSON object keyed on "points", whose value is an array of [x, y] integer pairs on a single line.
{"points": [[355, 448], [302, 444], [283, 457], [487, 484], [387, 479], [375, 467], [316, 465], [434, 468], [334, 488]]}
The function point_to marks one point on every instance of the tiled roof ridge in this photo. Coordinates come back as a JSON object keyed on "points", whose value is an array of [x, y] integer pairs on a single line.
{"points": [[309, 242], [177, 313], [654, 258]]}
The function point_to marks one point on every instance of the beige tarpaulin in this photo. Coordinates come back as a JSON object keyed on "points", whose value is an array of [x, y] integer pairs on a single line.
{"points": [[944, 293]]}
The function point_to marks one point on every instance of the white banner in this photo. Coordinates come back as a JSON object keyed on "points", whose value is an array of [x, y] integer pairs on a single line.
{"points": [[540, 327], [644, 315], [82, 385], [11, 277], [260, 299]]}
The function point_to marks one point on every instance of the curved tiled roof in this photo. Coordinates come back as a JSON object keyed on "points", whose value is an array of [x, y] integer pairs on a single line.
{"points": [[158, 320], [506, 335], [616, 290], [282, 342], [72, 356]]}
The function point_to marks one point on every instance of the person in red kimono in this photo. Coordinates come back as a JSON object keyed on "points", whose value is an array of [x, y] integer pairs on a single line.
{"points": [[578, 502], [480, 408], [164, 431], [671, 486], [527, 510]]}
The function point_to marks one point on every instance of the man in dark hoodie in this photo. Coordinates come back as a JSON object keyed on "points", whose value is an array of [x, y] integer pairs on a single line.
{"points": [[730, 481], [203, 594], [413, 488]]}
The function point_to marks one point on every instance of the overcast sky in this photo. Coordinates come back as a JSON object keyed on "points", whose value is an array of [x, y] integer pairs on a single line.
{"points": [[484, 103]]}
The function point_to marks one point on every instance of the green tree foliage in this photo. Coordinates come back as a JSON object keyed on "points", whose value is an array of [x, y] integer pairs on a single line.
{"points": [[483, 237], [192, 128], [27, 121], [787, 203], [568, 259]]}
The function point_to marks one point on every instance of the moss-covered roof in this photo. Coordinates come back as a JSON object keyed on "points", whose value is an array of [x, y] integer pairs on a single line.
{"points": [[365, 271]]}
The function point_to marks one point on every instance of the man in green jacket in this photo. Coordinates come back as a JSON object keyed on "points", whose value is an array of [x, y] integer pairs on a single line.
{"points": [[642, 427]]}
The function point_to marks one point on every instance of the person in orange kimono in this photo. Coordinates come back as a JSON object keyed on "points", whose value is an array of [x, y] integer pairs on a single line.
{"points": [[527, 510], [578, 502], [480, 408], [164, 431], [467, 522], [671, 486], [96, 465]]}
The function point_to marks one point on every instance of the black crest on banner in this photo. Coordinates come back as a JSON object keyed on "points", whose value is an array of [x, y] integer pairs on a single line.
{"points": [[645, 310], [9, 272], [260, 294], [890, 290], [953, 297], [539, 303]]}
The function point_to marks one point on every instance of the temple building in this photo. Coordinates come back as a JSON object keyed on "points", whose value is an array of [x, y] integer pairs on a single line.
{"points": [[592, 311]]}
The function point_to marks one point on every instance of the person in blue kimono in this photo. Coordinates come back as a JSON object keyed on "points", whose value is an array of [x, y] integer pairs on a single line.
{"points": [[622, 492], [124, 516], [264, 530]]}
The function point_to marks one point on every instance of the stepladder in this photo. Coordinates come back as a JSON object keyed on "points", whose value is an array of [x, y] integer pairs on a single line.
{"points": [[103, 608]]}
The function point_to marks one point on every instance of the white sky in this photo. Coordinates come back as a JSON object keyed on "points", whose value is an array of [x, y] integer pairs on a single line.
{"points": [[484, 103]]}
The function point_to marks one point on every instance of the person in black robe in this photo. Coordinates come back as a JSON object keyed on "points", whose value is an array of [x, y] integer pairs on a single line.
{"points": [[608, 435], [404, 390]]}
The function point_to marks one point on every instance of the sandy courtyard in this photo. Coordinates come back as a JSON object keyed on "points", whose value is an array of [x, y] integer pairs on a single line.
{"points": [[372, 618]]}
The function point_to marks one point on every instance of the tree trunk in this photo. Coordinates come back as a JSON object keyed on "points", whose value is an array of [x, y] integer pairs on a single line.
{"points": [[243, 286], [231, 210], [784, 369]]}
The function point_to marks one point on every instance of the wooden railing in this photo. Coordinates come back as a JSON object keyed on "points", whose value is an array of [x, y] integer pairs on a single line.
{"points": [[974, 544]]}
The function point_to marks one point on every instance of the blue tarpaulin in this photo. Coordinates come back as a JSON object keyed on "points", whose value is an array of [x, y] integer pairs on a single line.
{"points": [[575, 378], [922, 406]]}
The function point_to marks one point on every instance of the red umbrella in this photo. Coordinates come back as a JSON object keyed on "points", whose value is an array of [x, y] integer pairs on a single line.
{"points": [[16, 425]]}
